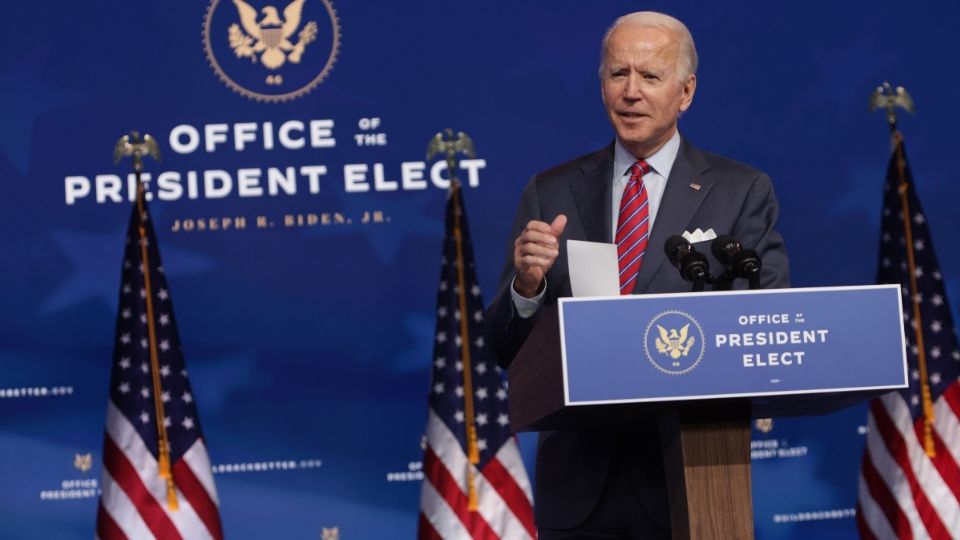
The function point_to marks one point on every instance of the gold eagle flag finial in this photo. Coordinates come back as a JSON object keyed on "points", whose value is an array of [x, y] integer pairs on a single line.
{"points": [[451, 146], [134, 146], [885, 97]]}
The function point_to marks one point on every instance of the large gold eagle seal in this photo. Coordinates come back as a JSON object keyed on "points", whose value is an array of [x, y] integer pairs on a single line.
{"points": [[674, 343], [270, 36]]}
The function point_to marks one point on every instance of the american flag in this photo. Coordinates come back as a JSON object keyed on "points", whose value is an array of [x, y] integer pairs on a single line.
{"points": [[495, 483], [136, 501], [909, 485]]}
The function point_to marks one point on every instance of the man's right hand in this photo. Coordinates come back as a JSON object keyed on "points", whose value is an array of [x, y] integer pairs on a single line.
{"points": [[534, 253]]}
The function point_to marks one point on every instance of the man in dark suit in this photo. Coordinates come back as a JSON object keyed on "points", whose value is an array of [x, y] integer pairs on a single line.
{"points": [[647, 185]]}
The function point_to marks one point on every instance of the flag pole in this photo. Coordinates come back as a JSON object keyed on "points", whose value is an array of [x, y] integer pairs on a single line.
{"points": [[446, 143], [132, 145], [163, 442], [885, 97], [473, 453]]}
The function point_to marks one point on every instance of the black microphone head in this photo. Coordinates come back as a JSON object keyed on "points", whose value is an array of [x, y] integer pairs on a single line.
{"points": [[675, 247], [747, 263], [694, 265], [724, 248]]}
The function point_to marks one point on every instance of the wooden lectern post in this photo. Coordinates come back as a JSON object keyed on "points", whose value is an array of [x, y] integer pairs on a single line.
{"points": [[706, 453]]}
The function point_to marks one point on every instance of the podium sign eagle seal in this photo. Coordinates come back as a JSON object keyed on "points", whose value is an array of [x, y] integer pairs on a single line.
{"points": [[271, 50], [674, 342]]}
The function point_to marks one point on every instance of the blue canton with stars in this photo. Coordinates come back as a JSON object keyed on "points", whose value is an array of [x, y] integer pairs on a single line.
{"points": [[131, 382], [939, 339], [489, 386]]}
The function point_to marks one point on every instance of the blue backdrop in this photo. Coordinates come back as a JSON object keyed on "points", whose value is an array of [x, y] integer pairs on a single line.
{"points": [[310, 345]]}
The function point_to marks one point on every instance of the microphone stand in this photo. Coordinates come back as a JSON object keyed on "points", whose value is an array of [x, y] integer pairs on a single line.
{"points": [[754, 280], [700, 279]]}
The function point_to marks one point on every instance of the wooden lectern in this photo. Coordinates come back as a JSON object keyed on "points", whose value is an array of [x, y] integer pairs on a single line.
{"points": [[706, 442]]}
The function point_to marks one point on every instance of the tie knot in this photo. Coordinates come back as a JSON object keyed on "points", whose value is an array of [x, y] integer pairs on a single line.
{"points": [[640, 168]]}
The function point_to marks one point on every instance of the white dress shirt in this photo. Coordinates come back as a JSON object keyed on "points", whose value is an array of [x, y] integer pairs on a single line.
{"points": [[655, 182]]}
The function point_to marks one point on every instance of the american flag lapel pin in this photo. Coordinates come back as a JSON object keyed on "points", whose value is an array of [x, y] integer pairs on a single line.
{"points": [[695, 186]]}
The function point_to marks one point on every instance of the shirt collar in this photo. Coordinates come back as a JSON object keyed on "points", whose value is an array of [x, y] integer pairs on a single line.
{"points": [[661, 161]]}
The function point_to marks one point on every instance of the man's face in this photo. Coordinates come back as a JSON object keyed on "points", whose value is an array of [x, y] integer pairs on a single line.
{"points": [[641, 89]]}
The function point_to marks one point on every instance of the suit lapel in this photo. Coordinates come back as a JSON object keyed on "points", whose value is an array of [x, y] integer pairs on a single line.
{"points": [[592, 194], [677, 207]]}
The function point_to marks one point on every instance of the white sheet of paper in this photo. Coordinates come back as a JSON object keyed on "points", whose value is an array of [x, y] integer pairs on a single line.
{"points": [[593, 268]]}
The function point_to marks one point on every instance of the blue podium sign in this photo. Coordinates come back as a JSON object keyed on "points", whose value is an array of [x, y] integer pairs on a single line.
{"points": [[666, 347]]}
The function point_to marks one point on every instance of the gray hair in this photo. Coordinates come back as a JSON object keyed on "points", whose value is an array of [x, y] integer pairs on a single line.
{"points": [[687, 59]]}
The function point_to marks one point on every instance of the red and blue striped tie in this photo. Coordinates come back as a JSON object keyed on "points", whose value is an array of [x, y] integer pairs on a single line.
{"points": [[633, 227]]}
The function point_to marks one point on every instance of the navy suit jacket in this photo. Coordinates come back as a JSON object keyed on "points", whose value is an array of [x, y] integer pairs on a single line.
{"points": [[732, 198]]}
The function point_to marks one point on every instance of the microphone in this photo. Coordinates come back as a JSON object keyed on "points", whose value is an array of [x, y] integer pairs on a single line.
{"points": [[692, 264], [743, 263]]}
